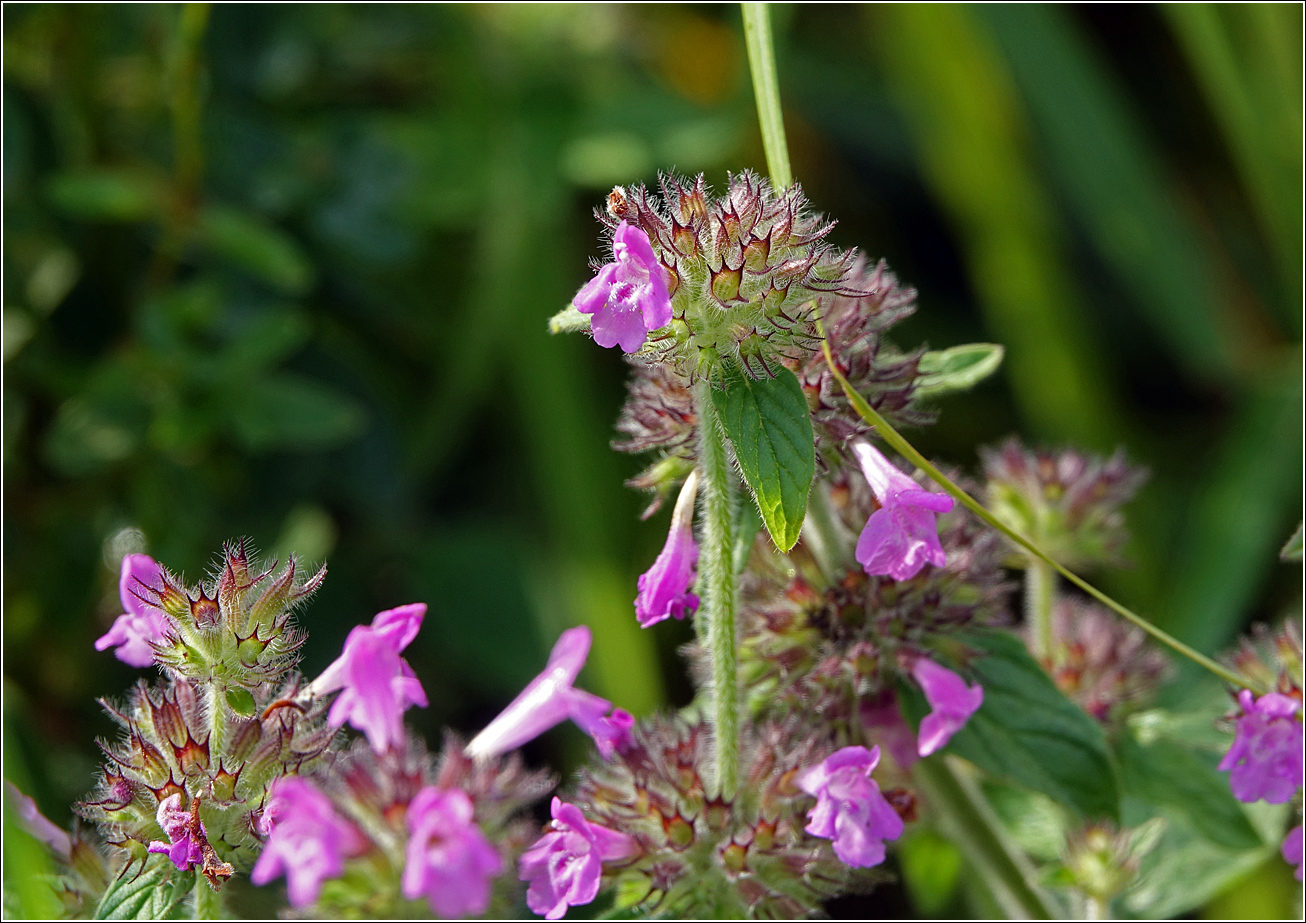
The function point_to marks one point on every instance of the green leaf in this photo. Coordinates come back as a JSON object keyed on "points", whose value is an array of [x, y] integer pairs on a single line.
{"points": [[569, 320], [107, 195], [263, 250], [931, 868], [747, 523], [768, 425], [1185, 871], [1028, 732], [1292, 550], [285, 411], [957, 369], [1174, 778], [241, 702], [155, 893]]}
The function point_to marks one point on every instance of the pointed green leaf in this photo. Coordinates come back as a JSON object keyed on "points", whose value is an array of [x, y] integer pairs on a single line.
{"points": [[153, 893], [1172, 777], [1028, 732], [569, 320], [768, 424], [1292, 551], [957, 369]]}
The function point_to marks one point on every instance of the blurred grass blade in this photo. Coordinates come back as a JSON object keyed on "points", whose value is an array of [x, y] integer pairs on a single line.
{"points": [[1233, 538], [969, 128], [1114, 180], [1248, 59]]}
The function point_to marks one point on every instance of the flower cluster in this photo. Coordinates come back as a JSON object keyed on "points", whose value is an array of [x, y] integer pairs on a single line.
{"points": [[1067, 502], [688, 847], [1106, 666], [696, 279]]}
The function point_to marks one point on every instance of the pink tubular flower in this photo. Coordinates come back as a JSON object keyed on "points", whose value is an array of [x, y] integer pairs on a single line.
{"points": [[565, 865], [378, 685], [307, 840], [1266, 756], [550, 699], [450, 862], [849, 807], [628, 297], [901, 536], [884, 722], [1291, 850], [664, 588], [176, 823], [952, 701], [142, 624]]}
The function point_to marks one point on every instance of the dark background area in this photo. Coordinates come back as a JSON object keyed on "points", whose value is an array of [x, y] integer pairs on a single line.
{"points": [[284, 272]]}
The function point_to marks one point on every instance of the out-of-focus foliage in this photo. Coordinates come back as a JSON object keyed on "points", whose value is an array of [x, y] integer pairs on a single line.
{"points": [[284, 271]]}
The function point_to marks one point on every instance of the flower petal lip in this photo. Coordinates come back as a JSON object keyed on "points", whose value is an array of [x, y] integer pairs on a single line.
{"points": [[565, 865], [952, 701], [449, 860], [628, 298], [142, 624], [850, 810], [902, 536]]}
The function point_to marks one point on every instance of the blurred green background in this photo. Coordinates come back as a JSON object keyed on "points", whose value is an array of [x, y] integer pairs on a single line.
{"points": [[284, 272]]}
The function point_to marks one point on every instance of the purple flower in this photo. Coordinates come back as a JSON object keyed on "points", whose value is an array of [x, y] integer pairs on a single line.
{"points": [[142, 624], [550, 699], [450, 861], [628, 297], [664, 587], [1292, 849], [307, 840], [952, 701], [1266, 756], [884, 722], [38, 825], [565, 865], [849, 807], [184, 850], [901, 536], [378, 685]]}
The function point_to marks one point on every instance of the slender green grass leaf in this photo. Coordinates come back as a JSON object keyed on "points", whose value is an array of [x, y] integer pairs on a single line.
{"points": [[1113, 178], [261, 249]]}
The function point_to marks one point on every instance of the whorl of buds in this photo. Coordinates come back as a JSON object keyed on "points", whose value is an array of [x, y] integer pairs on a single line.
{"points": [[235, 629], [1272, 658], [187, 739], [824, 645], [747, 858], [886, 378], [743, 270], [1105, 665], [374, 791], [1067, 502]]}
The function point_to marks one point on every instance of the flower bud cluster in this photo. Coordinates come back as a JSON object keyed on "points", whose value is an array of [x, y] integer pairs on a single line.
{"points": [[886, 378], [1106, 666], [743, 271], [427, 833], [750, 857], [226, 721], [1067, 502], [825, 645]]}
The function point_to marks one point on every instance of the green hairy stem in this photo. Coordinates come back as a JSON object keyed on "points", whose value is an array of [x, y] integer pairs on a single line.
{"points": [[1040, 591], [717, 580]]}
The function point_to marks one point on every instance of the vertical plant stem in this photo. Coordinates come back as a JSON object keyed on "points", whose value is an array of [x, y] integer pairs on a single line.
{"points": [[766, 87], [965, 816], [716, 567], [1040, 590]]}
